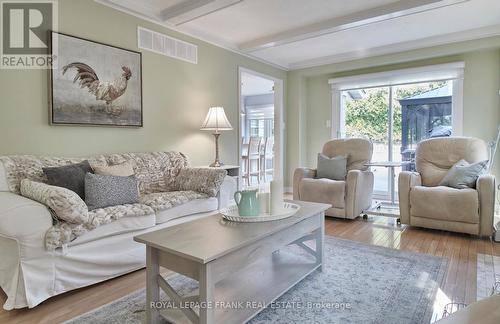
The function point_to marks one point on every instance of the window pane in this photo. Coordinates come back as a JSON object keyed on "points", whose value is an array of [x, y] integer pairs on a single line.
{"points": [[421, 111], [367, 116]]}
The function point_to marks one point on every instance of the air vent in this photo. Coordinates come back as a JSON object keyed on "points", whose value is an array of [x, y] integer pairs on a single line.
{"points": [[162, 44]]}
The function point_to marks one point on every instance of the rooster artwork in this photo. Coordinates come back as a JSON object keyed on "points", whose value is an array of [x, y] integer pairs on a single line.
{"points": [[95, 84], [105, 91]]}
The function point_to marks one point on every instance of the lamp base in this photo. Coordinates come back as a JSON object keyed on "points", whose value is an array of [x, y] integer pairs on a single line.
{"points": [[216, 164]]}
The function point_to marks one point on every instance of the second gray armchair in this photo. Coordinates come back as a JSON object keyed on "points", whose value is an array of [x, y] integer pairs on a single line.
{"points": [[348, 197]]}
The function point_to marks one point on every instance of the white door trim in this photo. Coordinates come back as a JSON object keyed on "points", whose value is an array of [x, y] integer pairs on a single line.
{"points": [[279, 125]]}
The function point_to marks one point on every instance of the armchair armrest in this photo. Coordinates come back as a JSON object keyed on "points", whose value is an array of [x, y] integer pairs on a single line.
{"points": [[359, 192], [24, 220], [485, 186], [406, 181], [298, 175]]}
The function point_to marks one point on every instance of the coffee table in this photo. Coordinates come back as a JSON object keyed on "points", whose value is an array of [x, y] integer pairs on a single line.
{"points": [[240, 267]]}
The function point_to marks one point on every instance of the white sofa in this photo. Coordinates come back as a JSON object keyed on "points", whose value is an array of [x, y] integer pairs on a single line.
{"points": [[30, 273]]}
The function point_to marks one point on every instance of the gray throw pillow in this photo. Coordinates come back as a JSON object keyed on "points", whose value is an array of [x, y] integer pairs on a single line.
{"points": [[334, 168], [464, 175], [104, 191], [71, 176]]}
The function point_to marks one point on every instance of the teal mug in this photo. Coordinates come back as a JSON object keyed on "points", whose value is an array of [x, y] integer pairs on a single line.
{"points": [[247, 202]]}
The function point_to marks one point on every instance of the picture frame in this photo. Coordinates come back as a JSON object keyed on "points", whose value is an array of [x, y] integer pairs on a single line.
{"points": [[94, 84]]}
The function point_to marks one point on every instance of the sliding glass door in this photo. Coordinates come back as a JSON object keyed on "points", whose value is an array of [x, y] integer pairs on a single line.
{"points": [[367, 116], [395, 119]]}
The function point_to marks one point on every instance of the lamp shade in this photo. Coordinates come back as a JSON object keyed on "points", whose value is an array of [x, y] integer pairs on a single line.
{"points": [[216, 120]]}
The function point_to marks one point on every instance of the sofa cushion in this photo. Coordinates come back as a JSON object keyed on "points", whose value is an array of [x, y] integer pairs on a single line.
{"points": [[124, 169], [155, 171], [125, 224], [104, 191], [70, 176], [444, 203], [205, 180], [19, 167], [192, 207], [65, 203], [63, 232], [323, 191], [3, 178], [165, 200]]}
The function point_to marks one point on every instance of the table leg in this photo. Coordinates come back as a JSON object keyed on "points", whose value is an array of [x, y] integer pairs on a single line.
{"points": [[152, 288], [393, 186], [320, 251], [206, 288]]}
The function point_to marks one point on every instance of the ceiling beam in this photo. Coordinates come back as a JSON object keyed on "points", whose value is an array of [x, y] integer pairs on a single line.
{"points": [[189, 10], [334, 25]]}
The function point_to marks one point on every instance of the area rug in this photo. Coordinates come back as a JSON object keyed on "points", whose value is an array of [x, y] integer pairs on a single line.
{"points": [[488, 272], [360, 283]]}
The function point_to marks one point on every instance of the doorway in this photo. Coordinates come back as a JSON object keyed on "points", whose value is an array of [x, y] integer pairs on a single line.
{"points": [[260, 129]]}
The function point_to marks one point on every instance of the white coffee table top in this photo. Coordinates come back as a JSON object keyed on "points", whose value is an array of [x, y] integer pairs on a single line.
{"points": [[208, 238]]}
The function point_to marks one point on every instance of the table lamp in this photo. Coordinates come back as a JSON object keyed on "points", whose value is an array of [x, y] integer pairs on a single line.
{"points": [[216, 121]]}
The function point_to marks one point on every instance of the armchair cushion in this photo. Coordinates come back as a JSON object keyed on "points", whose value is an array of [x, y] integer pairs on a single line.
{"points": [[407, 180], [435, 156], [485, 187], [334, 168], [358, 151], [464, 175], [444, 203], [298, 175], [359, 192], [323, 191]]}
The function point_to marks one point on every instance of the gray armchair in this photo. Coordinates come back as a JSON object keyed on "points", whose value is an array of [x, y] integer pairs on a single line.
{"points": [[350, 197], [425, 204]]}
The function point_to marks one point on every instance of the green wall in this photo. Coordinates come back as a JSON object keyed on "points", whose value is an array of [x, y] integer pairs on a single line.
{"points": [[176, 95], [309, 97]]}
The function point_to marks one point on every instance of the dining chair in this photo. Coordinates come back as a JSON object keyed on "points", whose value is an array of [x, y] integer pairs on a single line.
{"points": [[251, 155], [266, 156]]}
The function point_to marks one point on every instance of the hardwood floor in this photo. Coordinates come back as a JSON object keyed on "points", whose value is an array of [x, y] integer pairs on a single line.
{"points": [[459, 284]]}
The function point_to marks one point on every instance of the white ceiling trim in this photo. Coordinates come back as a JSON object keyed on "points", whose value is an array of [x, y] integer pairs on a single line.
{"points": [[193, 9], [205, 39], [457, 37], [366, 17]]}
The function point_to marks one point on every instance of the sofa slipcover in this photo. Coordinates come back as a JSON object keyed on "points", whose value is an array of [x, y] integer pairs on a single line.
{"points": [[30, 273]]}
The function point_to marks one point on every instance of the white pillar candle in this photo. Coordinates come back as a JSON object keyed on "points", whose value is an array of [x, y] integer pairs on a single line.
{"points": [[264, 202], [276, 196]]}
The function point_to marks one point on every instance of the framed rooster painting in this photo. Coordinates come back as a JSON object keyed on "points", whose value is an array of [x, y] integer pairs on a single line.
{"points": [[94, 84]]}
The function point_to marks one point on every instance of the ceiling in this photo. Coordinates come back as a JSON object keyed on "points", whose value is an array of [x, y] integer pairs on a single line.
{"points": [[293, 34], [252, 85]]}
